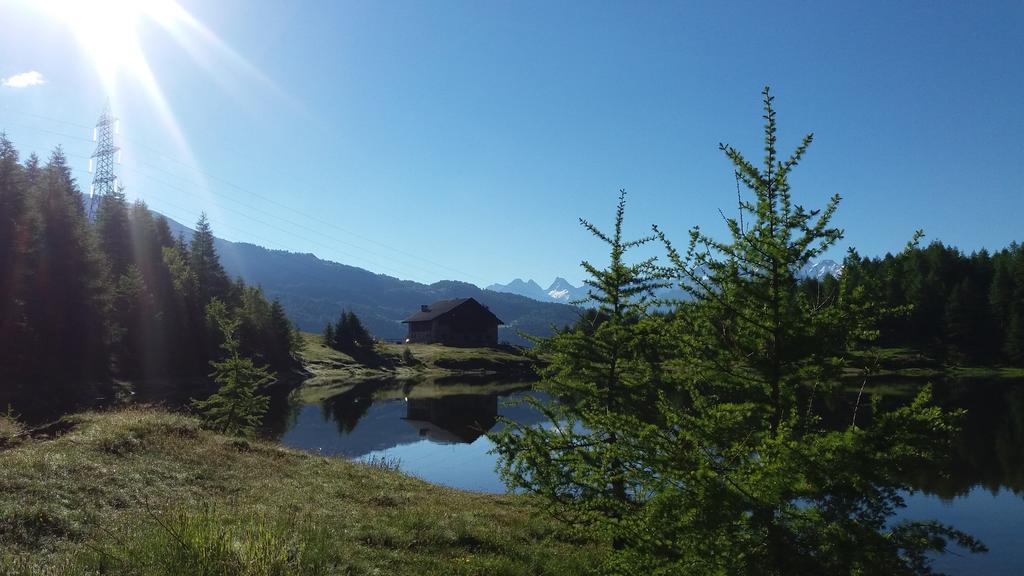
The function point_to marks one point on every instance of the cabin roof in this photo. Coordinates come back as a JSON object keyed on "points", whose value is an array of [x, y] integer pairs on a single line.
{"points": [[442, 307]]}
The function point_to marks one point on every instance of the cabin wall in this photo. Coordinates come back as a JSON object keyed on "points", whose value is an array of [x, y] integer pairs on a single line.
{"points": [[466, 325]]}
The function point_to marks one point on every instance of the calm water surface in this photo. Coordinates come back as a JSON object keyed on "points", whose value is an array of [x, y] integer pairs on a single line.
{"points": [[442, 440]]}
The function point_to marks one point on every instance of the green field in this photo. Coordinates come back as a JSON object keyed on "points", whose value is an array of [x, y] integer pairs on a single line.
{"points": [[334, 372], [910, 364], [148, 492]]}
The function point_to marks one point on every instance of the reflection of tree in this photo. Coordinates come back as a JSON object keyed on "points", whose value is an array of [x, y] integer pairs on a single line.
{"points": [[282, 413], [988, 452], [453, 419], [348, 407], [990, 449]]}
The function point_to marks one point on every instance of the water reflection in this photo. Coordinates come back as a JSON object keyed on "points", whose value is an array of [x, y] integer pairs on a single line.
{"points": [[452, 419], [437, 432], [372, 417], [989, 453]]}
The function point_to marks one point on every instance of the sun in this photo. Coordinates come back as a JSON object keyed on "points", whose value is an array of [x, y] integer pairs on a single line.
{"points": [[108, 30]]}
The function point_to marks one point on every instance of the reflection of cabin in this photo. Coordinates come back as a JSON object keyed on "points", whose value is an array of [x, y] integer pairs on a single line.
{"points": [[453, 419], [459, 322]]}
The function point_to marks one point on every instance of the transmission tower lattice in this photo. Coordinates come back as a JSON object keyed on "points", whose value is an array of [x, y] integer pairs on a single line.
{"points": [[103, 179]]}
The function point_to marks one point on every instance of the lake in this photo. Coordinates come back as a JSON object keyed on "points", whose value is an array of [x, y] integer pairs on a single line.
{"points": [[441, 438]]}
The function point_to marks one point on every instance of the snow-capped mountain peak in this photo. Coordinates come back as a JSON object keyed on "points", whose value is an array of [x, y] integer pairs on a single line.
{"points": [[560, 290], [821, 269]]}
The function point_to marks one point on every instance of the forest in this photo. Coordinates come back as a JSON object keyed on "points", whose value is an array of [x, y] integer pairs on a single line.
{"points": [[964, 309], [89, 304]]}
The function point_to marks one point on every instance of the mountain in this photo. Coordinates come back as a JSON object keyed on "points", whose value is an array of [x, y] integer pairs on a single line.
{"points": [[528, 289], [559, 291], [821, 269], [562, 291], [314, 291]]}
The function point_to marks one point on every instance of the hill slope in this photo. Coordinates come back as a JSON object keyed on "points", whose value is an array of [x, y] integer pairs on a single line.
{"points": [[151, 493], [313, 292]]}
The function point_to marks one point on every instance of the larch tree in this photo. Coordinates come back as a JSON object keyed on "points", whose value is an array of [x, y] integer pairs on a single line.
{"points": [[755, 474], [716, 437]]}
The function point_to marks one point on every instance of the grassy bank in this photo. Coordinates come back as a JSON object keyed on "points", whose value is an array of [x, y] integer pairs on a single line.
{"points": [[148, 492], [333, 370], [910, 364]]}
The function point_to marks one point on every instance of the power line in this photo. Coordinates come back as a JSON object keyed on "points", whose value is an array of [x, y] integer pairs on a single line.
{"points": [[226, 182], [277, 218], [377, 264]]}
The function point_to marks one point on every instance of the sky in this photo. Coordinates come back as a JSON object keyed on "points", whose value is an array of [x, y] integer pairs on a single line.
{"points": [[464, 140]]}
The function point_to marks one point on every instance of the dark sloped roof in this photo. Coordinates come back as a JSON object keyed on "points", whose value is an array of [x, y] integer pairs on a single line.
{"points": [[442, 307]]}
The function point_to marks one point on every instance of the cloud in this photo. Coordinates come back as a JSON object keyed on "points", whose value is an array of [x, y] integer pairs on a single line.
{"points": [[24, 80]]}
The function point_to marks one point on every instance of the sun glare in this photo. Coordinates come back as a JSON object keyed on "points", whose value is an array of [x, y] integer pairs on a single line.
{"points": [[107, 31]]}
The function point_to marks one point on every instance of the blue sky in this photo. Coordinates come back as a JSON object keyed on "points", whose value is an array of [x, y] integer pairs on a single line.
{"points": [[432, 140]]}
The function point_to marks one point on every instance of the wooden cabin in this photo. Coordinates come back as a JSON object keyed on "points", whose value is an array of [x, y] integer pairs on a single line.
{"points": [[458, 322]]}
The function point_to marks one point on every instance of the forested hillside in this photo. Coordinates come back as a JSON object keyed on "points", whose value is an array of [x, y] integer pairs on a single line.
{"points": [[313, 292], [86, 303], [959, 307]]}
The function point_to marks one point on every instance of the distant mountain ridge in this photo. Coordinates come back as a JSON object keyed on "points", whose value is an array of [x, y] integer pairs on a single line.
{"points": [[821, 269], [314, 291], [560, 290]]}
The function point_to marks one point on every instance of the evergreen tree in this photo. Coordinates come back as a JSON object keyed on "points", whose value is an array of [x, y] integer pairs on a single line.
{"points": [[329, 336], [965, 322], [81, 303], [12, 205], [1001, 292], [282, 335], [12, 271], [360, 336], [163, 230], [747, 433], [32, 170], [112, 231], [66, 294], [237, 407], [349, 334], [211, 279], [714, 454]]}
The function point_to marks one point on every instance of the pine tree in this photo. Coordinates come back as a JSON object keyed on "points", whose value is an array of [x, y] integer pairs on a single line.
{"points": [[237, 407], [359, 335], [965, 322], [349, 335], [13, 187], [113, 233], [1014, 344], [12, 205], [329, 340], [211, 279], [282, 335], [66, 293]]}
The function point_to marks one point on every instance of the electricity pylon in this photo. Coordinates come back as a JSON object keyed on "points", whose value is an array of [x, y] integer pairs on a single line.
{"points": [[104, 181]]}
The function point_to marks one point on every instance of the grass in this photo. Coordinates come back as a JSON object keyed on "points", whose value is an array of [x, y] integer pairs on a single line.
{"points": [[420, 389], [147, 492], [987, 372], [334, 371], [913, 364]]}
